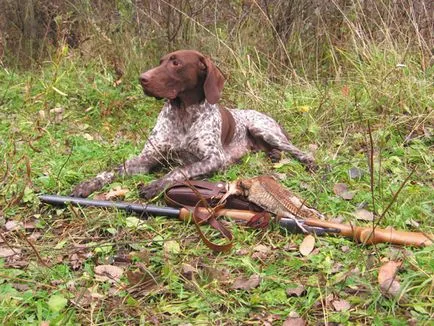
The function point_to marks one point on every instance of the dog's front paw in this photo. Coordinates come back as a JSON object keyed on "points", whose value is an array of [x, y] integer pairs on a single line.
{"points": [[86, 188], [150, 190], [311, 164]]}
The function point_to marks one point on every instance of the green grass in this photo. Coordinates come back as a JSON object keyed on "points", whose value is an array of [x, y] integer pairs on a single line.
{"points": [[103, 125]]}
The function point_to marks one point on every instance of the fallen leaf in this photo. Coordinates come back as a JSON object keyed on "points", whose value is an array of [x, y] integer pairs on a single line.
{"points": [[412, 223], [355, 173], [307, 245], [242, 252], [345, 90], [312, 148], [262, 248], [364, 215], [42, 114], [77, 259], [20, 287], [87, 136], [12, 225], [117, 192], [341, 305], [387, 278], [336, 268], [57, 302], [296, 292], [58, 114], [243, 283], [294, 319], [259, 256], [290, 247], [345, 248], [188, 271], [141, 282], [261, 252], [171, 247], [337, 219], [221, 275], [70, 285], [8, 252], [341, 190], [34, 236], [108, 273], [82, 298]]}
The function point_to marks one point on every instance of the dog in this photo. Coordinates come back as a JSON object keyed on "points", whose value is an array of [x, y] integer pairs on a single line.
{"points": [[192, 130]]}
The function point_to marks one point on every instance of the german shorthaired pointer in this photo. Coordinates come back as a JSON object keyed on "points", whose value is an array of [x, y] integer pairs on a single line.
{"points": [[192, 130]]}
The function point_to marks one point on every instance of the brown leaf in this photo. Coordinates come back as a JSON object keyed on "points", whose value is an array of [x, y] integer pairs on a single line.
{"points": [[261, 248], [354, 173], [307, 245], [20, 287], [341, 305], [77, 259], [108, 273], [259, 256], [12, 225], [345, 90], [243, 283], [141, 281], [242, 252], [364, 215], [117, 192], [82, 297], [136, 277], [313, 148], [34, 236], [294, 320], [296, 292], [336, 268], [221, 275], [387, 278], [341, 190], [8, 252], [188, 271]]}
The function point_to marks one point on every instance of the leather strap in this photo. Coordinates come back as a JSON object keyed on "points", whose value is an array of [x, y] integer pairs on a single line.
{"points": [[180, 194], [204, 194], [199, 218], [228, 126]]}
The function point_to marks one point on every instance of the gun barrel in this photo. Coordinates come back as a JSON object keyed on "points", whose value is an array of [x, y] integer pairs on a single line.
{"points": [[143, 210]]}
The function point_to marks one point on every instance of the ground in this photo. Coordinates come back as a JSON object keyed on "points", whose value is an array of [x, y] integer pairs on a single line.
{"points": [[70, 119]]}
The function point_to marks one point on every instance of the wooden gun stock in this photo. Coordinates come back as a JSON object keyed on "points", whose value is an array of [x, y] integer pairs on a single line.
{"points": [[362, 234], [368, 235]]}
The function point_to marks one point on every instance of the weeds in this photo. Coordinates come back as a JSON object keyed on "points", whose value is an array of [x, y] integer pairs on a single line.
{"points": [[82, 111]]}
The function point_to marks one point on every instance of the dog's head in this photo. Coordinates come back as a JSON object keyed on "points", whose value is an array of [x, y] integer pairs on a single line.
{"points": [[184, 75]]}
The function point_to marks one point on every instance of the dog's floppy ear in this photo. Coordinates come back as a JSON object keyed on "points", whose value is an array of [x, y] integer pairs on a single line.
{"points": [[214, 81]]}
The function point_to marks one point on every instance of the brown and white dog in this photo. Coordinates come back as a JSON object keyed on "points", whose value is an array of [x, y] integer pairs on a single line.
{"points": [[192, 130]]}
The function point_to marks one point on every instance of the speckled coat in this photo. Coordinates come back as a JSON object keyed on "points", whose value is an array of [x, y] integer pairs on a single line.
{"points": [[189, 139]]}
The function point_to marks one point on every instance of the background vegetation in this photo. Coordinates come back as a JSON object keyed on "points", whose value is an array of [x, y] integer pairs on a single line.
{"points": [[70, 106]]}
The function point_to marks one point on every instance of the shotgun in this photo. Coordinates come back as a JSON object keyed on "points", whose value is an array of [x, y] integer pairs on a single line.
{"points": [[366, 235], [144, 211]]}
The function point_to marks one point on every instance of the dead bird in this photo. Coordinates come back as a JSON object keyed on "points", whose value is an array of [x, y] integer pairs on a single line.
{"points": [[267, 193]]}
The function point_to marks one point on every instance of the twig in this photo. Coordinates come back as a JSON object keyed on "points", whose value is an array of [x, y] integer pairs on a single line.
{"points": [[395, 196], [34, 250], [371, 166]]}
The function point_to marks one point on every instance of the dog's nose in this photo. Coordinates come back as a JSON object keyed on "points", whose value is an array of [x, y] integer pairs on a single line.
{"points": [[143, 79]]}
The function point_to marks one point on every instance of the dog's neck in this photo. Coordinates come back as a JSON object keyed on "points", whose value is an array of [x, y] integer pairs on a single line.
{"points": [[188, 98]]}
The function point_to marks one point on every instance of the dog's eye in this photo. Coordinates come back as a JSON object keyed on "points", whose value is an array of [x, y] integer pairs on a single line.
{"points": [[175, 63]]}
